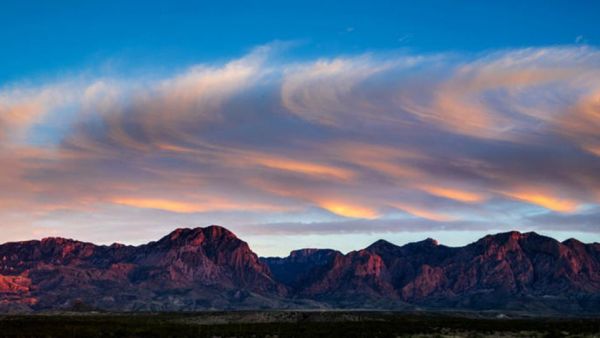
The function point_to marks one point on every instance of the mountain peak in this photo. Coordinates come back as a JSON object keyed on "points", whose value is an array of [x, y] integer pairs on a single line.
{"points": [[304, 252], [58, 240], [531, 237], [381, 244], [572, 242], [217, 231], [212, 232], [311, 253], [512, 236], [426, 243], [430, 241]]}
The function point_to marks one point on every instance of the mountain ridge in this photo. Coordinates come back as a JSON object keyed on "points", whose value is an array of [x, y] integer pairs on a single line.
{"points": [[211, 268]]}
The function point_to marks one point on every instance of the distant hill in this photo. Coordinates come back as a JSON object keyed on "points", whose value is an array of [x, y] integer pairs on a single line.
{"points": [[211, 269]]}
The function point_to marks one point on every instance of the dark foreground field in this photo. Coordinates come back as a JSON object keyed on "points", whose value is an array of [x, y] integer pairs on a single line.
{"points": [[293, 324]]}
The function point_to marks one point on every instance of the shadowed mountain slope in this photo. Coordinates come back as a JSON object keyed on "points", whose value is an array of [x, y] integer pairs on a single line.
{"points": [[516, 271]]}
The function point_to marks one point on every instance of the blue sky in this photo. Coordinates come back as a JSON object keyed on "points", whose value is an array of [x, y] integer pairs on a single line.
{"points": [[46, 38], [303, 124]]}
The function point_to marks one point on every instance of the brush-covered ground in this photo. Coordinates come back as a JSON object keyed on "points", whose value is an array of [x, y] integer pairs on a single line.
{"points": [[295, 324]]}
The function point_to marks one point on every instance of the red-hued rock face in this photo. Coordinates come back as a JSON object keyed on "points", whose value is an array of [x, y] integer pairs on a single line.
{"points": [[212, 256], [210, 268], [14, 284], [428, 281]]}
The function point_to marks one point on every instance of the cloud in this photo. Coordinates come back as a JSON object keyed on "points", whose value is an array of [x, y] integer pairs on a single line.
{"points": [[453, 194], [348, 210], [305, 168], [457, 141], [422, 212], [213, 204], [547, 201], [585, 221], [373, 226]]}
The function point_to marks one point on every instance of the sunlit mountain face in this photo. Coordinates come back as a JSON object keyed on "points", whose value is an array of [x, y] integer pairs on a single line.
{"points": [[299, 127]]}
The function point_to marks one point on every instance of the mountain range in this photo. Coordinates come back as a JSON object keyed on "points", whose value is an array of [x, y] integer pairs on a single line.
{"points": [[212, 269]]}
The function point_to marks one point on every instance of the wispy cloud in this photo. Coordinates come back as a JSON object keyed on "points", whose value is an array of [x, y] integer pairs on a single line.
{"points": [[485, 140]]}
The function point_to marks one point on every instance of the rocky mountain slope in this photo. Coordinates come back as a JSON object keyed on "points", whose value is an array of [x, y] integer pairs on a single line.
{"points": [[210, 268], [505, 271], [189, 269]]}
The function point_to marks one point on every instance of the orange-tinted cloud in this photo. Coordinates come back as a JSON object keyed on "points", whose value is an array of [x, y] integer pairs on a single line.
{"points": [[544, 200], [160, 204], [348, 209], [303, 167], [206, 205], [453, 194], [422, 212]]}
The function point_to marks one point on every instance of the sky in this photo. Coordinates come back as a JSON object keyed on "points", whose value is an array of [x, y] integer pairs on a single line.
{"points": [[299, 124]]}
